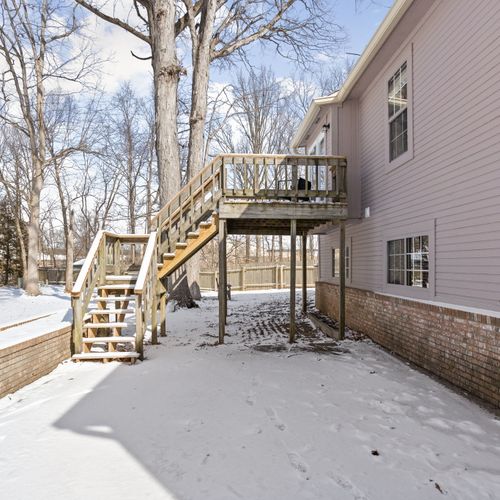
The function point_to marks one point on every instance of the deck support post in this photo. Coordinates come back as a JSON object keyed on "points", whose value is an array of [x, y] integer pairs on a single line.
{"points": [[304, 273], [293, 271], [163, 307], [342, 281], [222, 279]]}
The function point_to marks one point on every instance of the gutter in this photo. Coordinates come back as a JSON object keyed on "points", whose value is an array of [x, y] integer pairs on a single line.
{"points": [[391, 20]]}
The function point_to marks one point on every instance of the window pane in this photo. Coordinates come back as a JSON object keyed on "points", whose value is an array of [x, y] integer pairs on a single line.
{"points": [[425, 280]]}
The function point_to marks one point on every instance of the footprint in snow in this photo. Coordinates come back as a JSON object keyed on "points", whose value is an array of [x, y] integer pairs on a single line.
{"points": [[345, 484], [271, 413], [470, 427], [250, 400], [297, 463]]}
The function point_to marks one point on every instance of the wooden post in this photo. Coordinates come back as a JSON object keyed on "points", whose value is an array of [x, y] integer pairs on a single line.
{"points": [[243, 278], [293, 266], [77, 325], [342, 282], [222, 280], [154, 315], [116, 257], [304, 273], [139, 326], [163, 314]]}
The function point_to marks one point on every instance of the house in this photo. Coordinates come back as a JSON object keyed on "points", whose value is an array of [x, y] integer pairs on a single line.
{"points": [[419, 122]]}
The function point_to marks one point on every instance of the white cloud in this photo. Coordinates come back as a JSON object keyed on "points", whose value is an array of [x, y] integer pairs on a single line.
{"points": [[114, 45]]}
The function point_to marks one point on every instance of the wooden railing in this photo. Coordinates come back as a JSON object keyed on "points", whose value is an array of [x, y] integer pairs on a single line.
{"points": [[146, 295], [109, 253], [286, 177], [267, 176], [188, 207]]}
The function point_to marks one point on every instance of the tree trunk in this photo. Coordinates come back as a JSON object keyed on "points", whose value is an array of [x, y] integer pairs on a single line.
{"points": [[201, 54], [70, 253], [199, 91], [166, 71], [31, 284]]}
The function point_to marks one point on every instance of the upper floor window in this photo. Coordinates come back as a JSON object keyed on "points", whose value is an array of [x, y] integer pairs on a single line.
{"points": [[408, 261], [398, 112]]}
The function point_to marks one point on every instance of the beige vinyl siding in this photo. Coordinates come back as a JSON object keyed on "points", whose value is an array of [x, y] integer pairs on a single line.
{"points": [[453, 180]]}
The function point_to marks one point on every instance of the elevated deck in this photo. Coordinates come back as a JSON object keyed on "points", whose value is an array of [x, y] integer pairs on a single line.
{"points": [[233, 194], [262, 194]]}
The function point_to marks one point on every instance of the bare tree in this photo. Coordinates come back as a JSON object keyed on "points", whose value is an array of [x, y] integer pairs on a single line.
{"points": [[71, 130], [156, 23], [32, 48]]}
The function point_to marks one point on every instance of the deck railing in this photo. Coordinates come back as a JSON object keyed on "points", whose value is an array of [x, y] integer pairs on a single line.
{"points": [[250, 176], [285, 177]]}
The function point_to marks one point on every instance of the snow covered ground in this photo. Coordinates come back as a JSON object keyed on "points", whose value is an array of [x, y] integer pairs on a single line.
{"points": [[16, 306], [253, 419]]}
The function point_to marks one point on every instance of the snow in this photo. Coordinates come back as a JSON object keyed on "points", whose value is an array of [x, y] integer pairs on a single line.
{"points": [[252, 419], [16, 306], [27, 331]]}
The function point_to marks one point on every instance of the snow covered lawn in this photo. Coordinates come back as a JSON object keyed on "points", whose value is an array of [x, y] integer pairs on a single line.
{"points": [[16, 306], [253, 419]]}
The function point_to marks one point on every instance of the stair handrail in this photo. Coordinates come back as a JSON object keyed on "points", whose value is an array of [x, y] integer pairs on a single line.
{"points": [[156, 221], [84, 271], [145, 291], [147, 261]]}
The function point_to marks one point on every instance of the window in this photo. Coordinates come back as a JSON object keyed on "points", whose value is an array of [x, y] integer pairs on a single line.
{"points": [[335, 262], [398, 112], [347, 263], [408, 261]]}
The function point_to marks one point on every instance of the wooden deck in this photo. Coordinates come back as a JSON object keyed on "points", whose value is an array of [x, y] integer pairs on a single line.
{"points": [[233, 194]]}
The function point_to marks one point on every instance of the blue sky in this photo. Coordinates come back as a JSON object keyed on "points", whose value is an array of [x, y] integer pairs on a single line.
{"points": [[359, 18]]}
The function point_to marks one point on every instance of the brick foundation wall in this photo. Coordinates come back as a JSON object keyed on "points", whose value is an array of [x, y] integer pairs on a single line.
{"points": [[27, 361], [461, 347]]}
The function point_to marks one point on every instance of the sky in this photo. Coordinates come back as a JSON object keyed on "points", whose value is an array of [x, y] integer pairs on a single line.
{"points": [[359, 18]]}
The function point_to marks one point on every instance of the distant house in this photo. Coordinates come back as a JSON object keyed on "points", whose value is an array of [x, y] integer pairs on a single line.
{"points": [[419, 122]]}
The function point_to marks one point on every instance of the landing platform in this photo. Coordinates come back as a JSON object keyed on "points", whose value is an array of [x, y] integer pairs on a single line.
{"points": [[273, 217]]}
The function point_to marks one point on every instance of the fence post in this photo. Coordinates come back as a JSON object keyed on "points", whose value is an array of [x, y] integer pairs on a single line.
{"points": [[242, 270]]}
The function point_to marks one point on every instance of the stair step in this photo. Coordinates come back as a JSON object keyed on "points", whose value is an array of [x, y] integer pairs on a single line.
{"points": [[114, 298], [104, 355], [193, 234], [115, 339], [181, 244], [116, 287], [121, 277], [118, 324], [110, 311], [168, 256]]}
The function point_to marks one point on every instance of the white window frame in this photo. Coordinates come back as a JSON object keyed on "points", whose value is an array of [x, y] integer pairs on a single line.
{"points": [[348, 247], [427, 229], [406, 55]]}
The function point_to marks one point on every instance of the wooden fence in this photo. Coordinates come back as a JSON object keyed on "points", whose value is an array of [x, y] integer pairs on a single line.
{"points": [[258, 278]]}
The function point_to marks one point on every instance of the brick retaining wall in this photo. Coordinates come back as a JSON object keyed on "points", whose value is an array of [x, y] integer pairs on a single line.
{"points": [[27, 361], [461, 347]]}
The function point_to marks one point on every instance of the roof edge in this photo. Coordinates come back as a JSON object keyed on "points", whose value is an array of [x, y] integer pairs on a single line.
{"points": [[383, 32]]}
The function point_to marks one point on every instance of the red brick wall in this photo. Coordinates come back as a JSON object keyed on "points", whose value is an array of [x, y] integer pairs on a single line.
{"points": [[27, 361], [461, 347]]}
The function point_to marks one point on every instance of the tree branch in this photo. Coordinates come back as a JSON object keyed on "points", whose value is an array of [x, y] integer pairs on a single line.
{"points": [[115, 21]]}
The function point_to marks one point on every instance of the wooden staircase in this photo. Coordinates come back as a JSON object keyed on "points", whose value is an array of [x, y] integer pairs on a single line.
{"points": [[104, 336], [121, 289]]}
